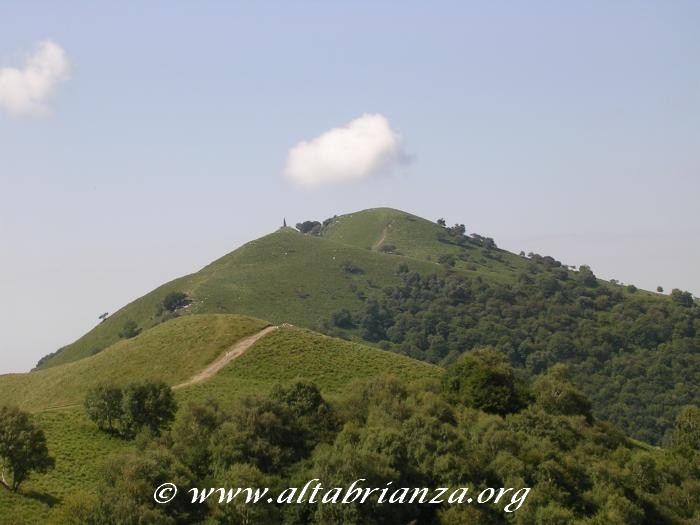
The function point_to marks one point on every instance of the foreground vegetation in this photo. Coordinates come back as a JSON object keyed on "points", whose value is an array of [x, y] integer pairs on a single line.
{"points": [[426, 434]]}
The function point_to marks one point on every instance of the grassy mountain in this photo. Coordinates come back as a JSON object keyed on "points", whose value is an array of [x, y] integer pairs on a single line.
{"points": [[282, 277], [290, 277], [365, 276]]}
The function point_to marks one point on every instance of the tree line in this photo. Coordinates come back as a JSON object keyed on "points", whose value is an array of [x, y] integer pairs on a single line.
{"points": [[636, 356]]}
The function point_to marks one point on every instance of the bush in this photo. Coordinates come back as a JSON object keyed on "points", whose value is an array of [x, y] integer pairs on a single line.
{"points": [[343, 319], [447, 259], [129, 330], [310, 227], [351, 267]]}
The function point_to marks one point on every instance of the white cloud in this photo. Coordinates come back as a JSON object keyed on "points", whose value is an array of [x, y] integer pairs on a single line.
{"points": [[26, 91], [364, 147]]}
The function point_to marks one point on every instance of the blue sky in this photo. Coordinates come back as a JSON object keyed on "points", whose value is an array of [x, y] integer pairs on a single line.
{"points": [[568, 129]]}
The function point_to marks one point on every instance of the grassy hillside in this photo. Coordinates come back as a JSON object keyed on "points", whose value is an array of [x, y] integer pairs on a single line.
{"points": [[412, 236], [174, 351], [284, 277], [170, 352], [292, 353]]}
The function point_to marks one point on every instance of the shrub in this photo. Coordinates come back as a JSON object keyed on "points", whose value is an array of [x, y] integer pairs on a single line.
{"points": [[129, 330], [175, 300], [310, 227], [351, 267], [343, 319]]}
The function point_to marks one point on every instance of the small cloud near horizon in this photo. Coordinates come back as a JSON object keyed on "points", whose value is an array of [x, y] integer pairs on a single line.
{"points": [[361, 149], [27, 90]]}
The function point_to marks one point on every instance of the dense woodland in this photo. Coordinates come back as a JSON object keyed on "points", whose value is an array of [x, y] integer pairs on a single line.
{"points": [[483, 426], [630, 351]]}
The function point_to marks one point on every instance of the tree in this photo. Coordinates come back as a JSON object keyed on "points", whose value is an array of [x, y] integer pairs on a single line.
{"points": [[586, 276], [310, 227], [556, 395], [457, 231], [148, 405], [687, 430], [175, 300], [660, 289], [238, 511], [125, 492], [441, 222], [485, 380], [103, 405], [315, 416], [260, 431], [22, 448], [682, 298], [192, 433]]}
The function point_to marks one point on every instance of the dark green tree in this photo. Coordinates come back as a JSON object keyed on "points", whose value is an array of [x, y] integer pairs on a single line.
{"points": [[192, 434], [554, 393], [22, 448], [682, 298], [125, 492], [484, 379], [175, 300], [343, 319], [148, 405], [310, 227], [686, 433], [103, 405]]}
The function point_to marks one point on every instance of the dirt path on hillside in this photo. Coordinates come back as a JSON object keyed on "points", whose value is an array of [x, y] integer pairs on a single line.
{"points": [[382, 238], [235, 351]]}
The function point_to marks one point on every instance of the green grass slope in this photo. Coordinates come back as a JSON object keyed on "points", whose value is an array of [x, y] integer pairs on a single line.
{"points": [[291, 353], [418, 238], [171, 352], [284, 277]]}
